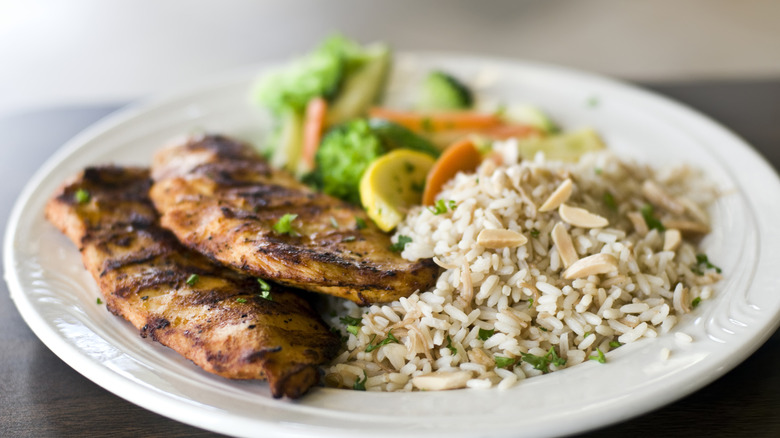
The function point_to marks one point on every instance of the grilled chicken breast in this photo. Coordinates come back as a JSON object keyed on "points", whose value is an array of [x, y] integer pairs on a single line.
{"points": [[221, 199], [210, 314]]}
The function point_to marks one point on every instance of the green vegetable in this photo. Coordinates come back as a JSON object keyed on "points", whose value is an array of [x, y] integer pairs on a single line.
{"points": [[569, 146], [241, 300], [441, 206], [265, 289], [286, 143], [696, 301], [319, 73], [484, 335], [341, 71], [533, 116], [362, 86], [395, 136], [401, 243], [343, 156], [442, 91], [615, 344], [360, 223], [353, 329], [192, 279], [284, 224], [600, 358], [652, 222], [360, 385], [82, 196], [542, 363], [609, 201], [390, 338], [702, 263], [503, 362], [450, 346], [99, 301]]}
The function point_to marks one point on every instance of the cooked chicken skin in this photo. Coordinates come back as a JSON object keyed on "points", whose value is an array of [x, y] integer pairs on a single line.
{"points": [[221, 199], [210, 314]]}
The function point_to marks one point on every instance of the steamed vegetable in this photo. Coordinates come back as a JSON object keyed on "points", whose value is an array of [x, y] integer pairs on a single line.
{"points": [[314, 124], [346, 76], [463, 156], [344, 154], [395, 136], [393, 184], [442, 91], [437, 121]]}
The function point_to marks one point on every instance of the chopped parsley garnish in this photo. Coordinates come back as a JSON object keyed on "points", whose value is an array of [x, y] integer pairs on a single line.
{"points": [[702, 263], [651, 221], [542, 363], [609, 201], [530, 302], [534, 232], [360, 385], [241, 300], [99, 301], [401, 243], [599, 357], [615, 344], [333, 222], [390, 338], [192, 279], [82, 196], [441, 206], [450, 346], [696, 301], [360, 223], [503, 362], [484, 335], [265, 289], [284, 224], [353, 324]]}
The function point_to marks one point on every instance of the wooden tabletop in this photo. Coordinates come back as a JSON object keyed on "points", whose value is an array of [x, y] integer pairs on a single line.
{"points": [[42, 396]]}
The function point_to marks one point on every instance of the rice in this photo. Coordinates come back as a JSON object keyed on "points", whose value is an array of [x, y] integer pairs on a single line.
{"points": [[508, 313]]}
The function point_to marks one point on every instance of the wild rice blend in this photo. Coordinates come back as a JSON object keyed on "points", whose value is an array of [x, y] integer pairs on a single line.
{"points": [[612, 260]]}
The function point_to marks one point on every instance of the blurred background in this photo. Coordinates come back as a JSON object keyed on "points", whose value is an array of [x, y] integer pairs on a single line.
{"points": [[55, 53]]}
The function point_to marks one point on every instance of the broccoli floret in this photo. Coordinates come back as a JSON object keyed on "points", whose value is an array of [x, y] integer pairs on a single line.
{"points": [[443, 92], [320, 73], [343, 156]]}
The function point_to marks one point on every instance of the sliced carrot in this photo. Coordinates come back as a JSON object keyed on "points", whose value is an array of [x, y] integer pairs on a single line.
{"points": [[462, 156], [314, 124], [437, 121]]}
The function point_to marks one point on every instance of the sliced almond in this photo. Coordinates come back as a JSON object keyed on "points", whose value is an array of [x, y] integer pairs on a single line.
{"points": [[579, 217], [658, 197], [500, 239], [478, 355], [592, 265], [672, 239], [686, 226], [640, 226], [441, 380], [564, 244], [558, 197]]}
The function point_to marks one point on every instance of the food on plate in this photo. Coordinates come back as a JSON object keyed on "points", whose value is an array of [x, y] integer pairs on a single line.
{"points": [[442, 91], [222, 199], [340, 73], [229, 324], [548, 264]]}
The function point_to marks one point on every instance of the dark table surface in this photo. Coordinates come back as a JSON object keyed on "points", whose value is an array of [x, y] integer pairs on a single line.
{"points": [[42, 396]]}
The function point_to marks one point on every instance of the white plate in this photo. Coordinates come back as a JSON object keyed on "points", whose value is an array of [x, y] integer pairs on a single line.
{"points": [[56, 296]]}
